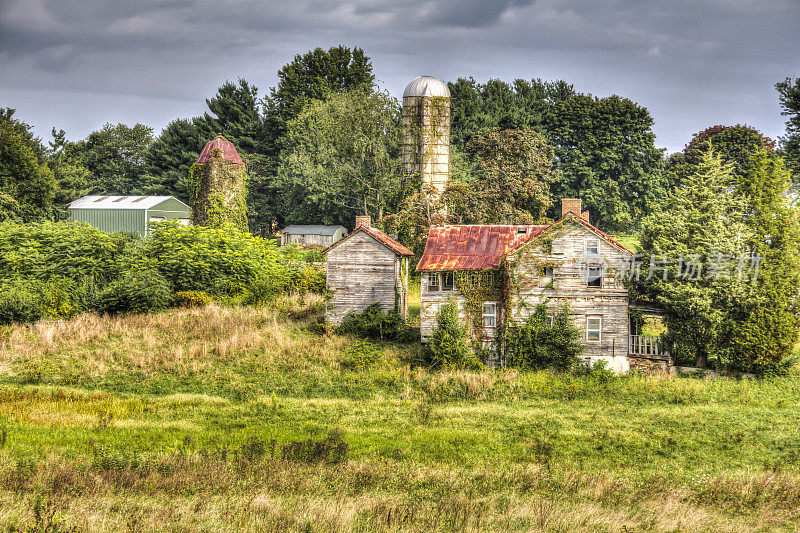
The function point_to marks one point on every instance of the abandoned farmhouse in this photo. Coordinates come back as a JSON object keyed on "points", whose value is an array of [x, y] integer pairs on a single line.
{"points": [[496, 275]]}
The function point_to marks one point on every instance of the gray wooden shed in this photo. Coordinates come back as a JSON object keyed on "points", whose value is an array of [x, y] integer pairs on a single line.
{"points": [[364, 268], [312, 235], [130, 214]]}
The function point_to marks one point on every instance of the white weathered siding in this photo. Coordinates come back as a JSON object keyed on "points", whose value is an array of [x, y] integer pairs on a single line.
{"points": [[361, 272], [610, 301]]}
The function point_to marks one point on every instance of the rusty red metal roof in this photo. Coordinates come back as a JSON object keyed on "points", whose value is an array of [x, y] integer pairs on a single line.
{"points": [[379, 236], [473, 247], [227, 148], [481, 247]]}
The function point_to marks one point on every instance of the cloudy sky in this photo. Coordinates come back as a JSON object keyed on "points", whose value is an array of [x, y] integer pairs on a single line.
{"points": [[77, 65]]}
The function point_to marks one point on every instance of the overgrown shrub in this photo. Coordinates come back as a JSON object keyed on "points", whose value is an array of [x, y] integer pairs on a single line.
{"points": [[372, 323], [19, 303], [360, 355], [192, 299], [537, 345], [137, 292], [447, 347]]}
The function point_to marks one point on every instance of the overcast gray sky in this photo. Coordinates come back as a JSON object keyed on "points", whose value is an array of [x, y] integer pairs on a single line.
{"points": [[693, 64]]}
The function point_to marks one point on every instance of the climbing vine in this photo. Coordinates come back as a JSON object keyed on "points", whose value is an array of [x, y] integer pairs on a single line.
{"points": [[218, 190]]}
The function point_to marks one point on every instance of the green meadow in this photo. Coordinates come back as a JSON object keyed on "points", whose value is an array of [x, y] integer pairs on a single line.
{"points": [[252, 419]]}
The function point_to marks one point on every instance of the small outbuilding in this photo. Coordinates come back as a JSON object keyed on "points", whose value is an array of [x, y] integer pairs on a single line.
{"points": [[308, 236], [130, 214], [366, 267]]}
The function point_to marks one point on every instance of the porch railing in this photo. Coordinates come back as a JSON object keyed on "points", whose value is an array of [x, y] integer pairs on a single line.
{"points": [[647, 345]]}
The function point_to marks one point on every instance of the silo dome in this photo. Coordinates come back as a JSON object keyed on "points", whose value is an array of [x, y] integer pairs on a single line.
{"points": [[426, 86]]}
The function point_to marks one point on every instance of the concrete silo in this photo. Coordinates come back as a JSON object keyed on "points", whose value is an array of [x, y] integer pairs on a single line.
{"points": [[218, 186], [426, 133]]}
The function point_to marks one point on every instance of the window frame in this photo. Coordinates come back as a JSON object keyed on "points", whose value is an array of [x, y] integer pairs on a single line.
{"points": [[599, 328], [438, 285], [445, 277], [492, 315], [598, 280], [596, 246]]}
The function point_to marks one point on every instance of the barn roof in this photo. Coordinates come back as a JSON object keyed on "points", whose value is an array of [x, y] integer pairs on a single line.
{"points": [[121, 202], [227, 148], [312, 230], [476, 247], [472, 247], [376, 234]]}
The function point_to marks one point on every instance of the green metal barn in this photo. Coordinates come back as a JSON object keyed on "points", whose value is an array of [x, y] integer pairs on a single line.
{"points": [[130, 214]]}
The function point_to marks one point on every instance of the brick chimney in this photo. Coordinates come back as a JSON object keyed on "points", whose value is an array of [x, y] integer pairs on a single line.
{"points": [[585, 216], [363, 221], [571, 204]]}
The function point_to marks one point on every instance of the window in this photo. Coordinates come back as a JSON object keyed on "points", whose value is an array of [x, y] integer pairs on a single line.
{"points": [[594, 276], [433, 282], [591, 246], [448, 281], [522, 231], [546, 272], [593, 326], [489, 314], [549, 321]]}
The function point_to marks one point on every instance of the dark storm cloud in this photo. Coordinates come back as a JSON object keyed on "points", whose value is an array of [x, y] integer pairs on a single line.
{"points": [[78, 64]]}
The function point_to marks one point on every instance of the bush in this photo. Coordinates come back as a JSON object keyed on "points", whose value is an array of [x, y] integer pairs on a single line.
{"points": [[19, 303], [536, 345], [136, 291], [447, 347], [192, 299], [360, 355], [372, 323]]}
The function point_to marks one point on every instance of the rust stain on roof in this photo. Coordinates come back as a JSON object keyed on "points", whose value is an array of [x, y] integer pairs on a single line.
{"points": [[480, 247], [227, 148], [473, 247]]}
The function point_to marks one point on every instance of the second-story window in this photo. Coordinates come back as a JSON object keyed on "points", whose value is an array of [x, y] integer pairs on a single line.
{"points": [[448, 281], [594, 276], [433, 282], [592, 247]]}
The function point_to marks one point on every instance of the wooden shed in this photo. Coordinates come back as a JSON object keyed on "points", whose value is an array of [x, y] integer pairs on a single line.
{"points": [[366, 267], [312, 235]]}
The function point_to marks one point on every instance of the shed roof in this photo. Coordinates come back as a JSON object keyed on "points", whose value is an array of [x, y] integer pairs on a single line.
{"points": [[121, 202], [312, 230], [472, 247], [376, 234]]}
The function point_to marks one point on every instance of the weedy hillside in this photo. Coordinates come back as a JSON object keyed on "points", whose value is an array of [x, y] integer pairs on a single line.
{"points": [[219, 418]]}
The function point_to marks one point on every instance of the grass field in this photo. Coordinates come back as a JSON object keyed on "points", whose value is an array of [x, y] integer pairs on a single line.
{"points": [[222, 418]]}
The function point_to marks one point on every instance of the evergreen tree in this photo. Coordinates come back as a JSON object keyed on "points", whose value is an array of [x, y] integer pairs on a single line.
{"points": [[537, 344], [687, 247], [763, 328], [789, 91], [236, 114], [71, 178], [171, 155], [447, 347]]}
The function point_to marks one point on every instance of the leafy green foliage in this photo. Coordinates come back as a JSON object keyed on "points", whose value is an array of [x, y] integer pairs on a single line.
{"points": [[764, 328], [192, 298], [372, 323], [136, 291], [607, 156], [115, 156], [515, 169], [447, 347], [19, 304], [702, 221], [342, 158], [536, 344], [27, 184]]}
